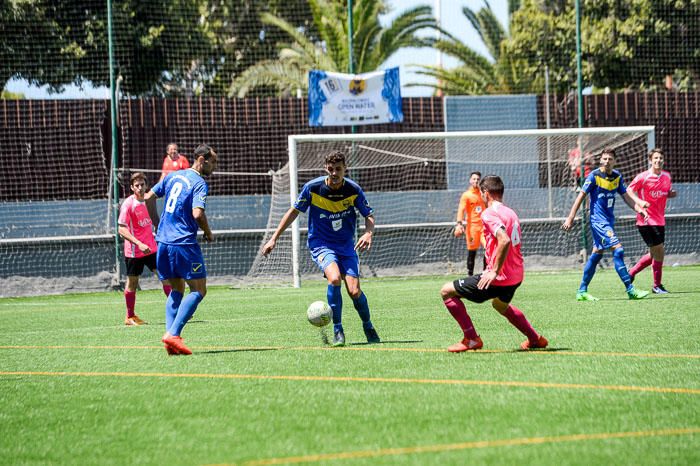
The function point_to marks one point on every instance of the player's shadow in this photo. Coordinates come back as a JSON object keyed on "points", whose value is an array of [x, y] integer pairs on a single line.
{"points": [[188, 322], [543, 350], [234, 350], [384, 342]]}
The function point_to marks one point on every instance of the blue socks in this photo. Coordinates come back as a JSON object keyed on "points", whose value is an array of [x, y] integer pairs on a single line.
{"points": [[185, 311], [589, 270], [335, 301], [171, 306], [620, 268], [363, 310]]}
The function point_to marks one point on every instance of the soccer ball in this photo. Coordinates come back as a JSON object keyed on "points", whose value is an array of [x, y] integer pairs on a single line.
{"points": [[319, 314]]}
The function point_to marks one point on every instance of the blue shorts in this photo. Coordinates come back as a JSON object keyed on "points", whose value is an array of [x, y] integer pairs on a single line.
{"points": [[348, 265], [604, 236], [180, 261]]}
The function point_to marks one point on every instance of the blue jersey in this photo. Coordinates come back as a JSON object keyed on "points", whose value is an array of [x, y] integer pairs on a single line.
{"points": [[332, 214], [183, 190], [602, 189]]}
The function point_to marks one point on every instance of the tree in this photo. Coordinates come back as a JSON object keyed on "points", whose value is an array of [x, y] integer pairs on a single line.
{"points": [[162, 47], [632, 44], [476, 73], [328, 50]]}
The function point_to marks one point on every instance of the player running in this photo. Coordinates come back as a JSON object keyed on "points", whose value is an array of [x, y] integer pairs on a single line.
{"points": [[469, 219], [331, 201], [136, 227], [602, 185], [503, 275], [180, 258], [653, 186]]}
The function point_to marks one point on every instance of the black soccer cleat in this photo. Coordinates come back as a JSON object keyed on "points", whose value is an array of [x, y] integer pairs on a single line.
{"points": [[338, 338], [372, 336]]}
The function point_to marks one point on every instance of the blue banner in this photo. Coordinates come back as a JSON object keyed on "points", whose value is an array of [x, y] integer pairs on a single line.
{"points": [[337, 99]]}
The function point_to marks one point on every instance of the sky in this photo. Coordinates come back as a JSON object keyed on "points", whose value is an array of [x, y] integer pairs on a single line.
{"points": [[451, 18]]}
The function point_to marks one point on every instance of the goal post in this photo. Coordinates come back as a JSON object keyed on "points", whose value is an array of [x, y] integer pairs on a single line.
{"points": [[414, 180]]}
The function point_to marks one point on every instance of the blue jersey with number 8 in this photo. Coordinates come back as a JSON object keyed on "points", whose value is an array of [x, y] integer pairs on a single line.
{"points": [[183, 191]]}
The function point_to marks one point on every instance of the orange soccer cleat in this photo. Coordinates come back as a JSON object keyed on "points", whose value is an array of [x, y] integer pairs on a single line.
{"points": [[134, 320], [175, 344], [466, 345], [541, 343]]}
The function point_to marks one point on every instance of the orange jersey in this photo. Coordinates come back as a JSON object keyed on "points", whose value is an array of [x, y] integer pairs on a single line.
{"points": [[470, 207], [170, 165]]}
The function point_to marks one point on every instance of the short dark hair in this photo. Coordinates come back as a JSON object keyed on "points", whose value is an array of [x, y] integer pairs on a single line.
{"points": [[492, 184], [204, 150], [171, 144], [475, 173], [137, 176], [608, 151], [335, 157], [656, 150]]}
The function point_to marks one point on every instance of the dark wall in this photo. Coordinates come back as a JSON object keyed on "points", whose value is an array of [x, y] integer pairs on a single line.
{"points": [[46, 145]]}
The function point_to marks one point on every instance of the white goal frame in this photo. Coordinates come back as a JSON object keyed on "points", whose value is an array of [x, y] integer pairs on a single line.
{"points": [[293, 140]]}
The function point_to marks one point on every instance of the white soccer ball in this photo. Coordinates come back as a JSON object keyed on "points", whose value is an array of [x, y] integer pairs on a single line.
{"points": [[319, 313]]}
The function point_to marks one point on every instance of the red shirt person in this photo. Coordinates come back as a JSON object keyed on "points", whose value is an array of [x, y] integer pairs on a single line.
{"points": [[503, 274], [173, 161], [654, 187]]}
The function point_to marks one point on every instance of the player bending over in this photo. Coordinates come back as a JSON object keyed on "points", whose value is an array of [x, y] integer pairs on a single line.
{"points": [[180, 258], [331, 201], [135, 226], [653, 186], [602, 185], [503, 275]]}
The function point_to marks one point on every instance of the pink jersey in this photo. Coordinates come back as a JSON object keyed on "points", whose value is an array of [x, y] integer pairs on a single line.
{"points": [[654, 189], [499, 216], [134, 215]]}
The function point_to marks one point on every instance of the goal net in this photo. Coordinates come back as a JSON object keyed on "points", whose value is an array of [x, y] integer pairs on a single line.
{"points": [[414, 182]]}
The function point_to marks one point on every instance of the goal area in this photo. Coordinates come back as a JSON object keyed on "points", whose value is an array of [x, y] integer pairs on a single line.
{"points": [[414, 182]]}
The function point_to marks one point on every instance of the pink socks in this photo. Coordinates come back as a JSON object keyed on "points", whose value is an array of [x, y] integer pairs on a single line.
{"points": [[459, 312]]}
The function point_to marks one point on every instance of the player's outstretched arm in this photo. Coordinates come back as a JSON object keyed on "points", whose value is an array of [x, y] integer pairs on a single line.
{"points": [[566, 226], [201, 218], [635, 199], [640, 208], [150, 199], [365, 241], [287, 220]]}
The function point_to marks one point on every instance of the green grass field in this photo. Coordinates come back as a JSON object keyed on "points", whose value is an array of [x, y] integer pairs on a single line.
{"points": [[620, 383]]}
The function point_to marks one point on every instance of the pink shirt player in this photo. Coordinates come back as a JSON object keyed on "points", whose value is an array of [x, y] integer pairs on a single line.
{"points": [[500, 216], [654, 189], [134, 215]]}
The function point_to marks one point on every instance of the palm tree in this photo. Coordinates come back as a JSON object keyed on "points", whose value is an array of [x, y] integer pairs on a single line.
{"points": [[373, 44], [477, 74]]}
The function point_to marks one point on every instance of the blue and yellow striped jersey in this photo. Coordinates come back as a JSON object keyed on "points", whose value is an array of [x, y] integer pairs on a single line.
{"points": [[602, 188], [332, 214]]}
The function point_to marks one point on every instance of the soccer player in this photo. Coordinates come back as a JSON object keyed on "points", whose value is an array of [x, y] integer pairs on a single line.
{"points": [[503, 275], [653, 186], [173, 161], [135, 227], [179, 257], [469, 219], [331, 201], [602, 185]]}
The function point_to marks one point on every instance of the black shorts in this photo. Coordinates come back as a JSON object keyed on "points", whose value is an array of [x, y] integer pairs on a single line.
{"points": [[653, 235], [134, 265], [467, 288]]}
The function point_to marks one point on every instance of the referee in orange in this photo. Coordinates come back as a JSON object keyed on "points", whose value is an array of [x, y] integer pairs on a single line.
{"points": [[469, 219]]}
